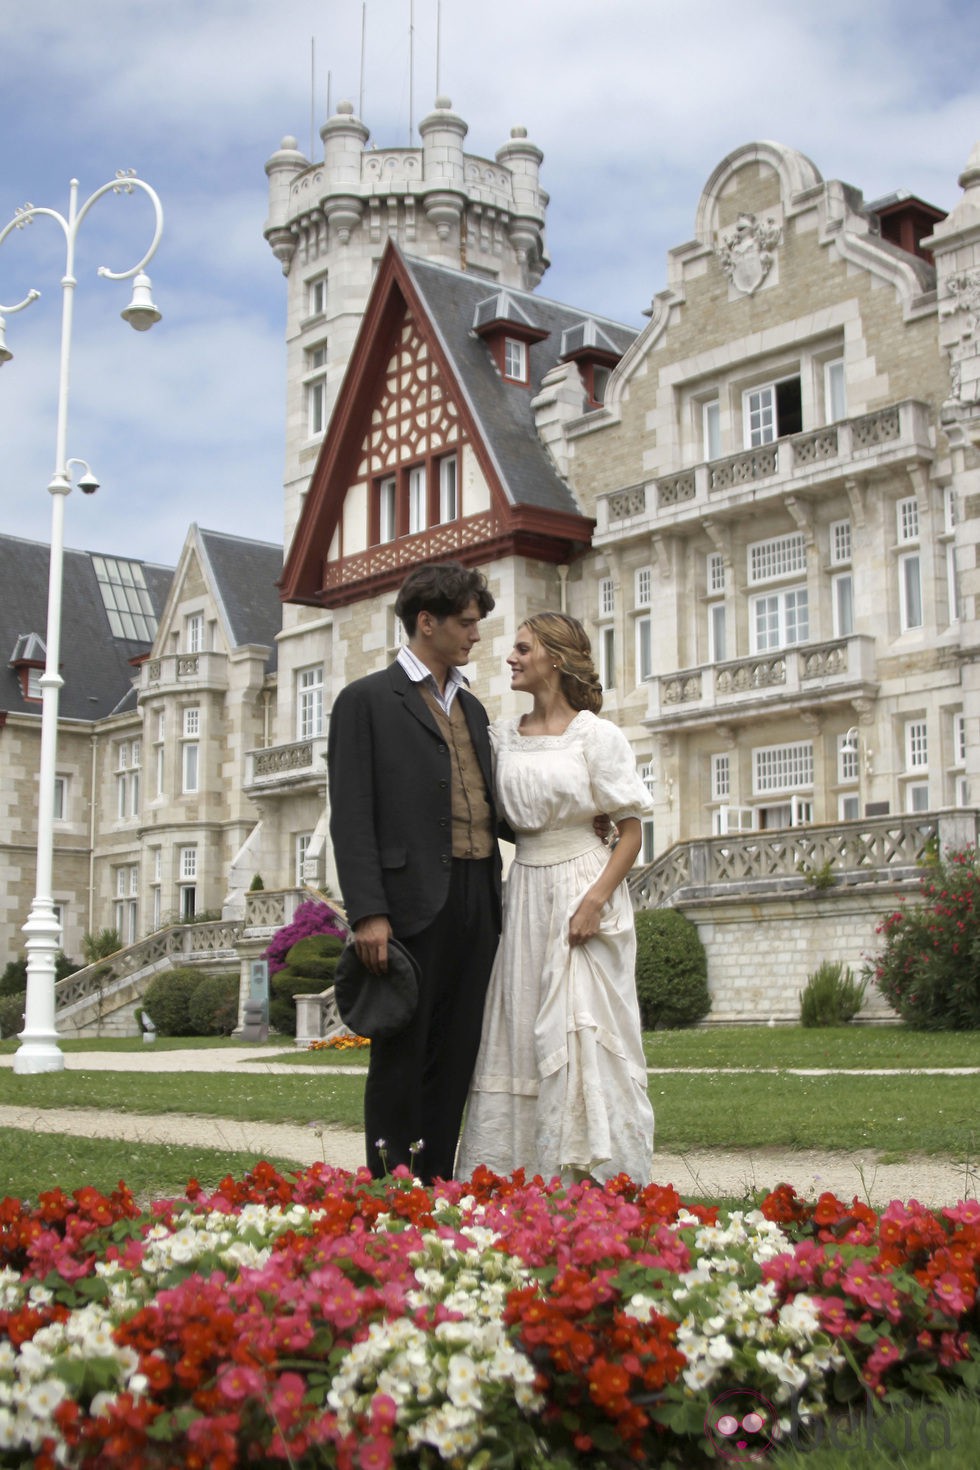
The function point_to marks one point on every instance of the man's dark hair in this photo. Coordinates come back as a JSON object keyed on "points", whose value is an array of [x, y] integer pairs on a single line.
{"points": [[443, 590]]}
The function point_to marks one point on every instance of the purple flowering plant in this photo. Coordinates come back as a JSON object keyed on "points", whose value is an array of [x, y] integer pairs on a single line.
{"points": [[312, 917]]}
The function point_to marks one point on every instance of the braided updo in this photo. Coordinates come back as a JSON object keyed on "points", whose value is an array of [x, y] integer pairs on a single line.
{"points": [[567, 643]]}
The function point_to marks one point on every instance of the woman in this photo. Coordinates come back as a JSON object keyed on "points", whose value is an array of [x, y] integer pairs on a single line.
{"points": [[560, 1085]]}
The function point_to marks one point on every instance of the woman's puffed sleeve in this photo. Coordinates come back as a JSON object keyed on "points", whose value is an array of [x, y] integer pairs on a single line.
{"points": [[616, 783]]}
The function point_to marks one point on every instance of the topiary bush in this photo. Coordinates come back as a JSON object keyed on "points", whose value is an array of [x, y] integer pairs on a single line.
{"points": [[12, 1013], [213, 1006], [310, 918], [310, 967], [929, 968], [671, 970], [13, 980], [167, 1001], [831, 996]]}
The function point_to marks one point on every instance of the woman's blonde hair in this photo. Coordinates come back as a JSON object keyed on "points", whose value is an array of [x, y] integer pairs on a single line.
{"points": [[567, 642]]}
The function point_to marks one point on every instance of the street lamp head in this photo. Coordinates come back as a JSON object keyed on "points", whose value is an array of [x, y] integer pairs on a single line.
{"points": [[88, 484], [141, 312], [849, 745], [5, 352]]}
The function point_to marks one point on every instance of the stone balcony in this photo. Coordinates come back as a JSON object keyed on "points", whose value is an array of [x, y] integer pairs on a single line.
{"points": [[814, 462], [286, 767], [802, 677], [183, 671]]}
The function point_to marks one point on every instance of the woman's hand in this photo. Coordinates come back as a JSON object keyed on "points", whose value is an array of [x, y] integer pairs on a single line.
{"points": [[584, 923]]}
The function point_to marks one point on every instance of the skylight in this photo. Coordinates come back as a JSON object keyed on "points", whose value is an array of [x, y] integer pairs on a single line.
{"points": [[127, 602]]}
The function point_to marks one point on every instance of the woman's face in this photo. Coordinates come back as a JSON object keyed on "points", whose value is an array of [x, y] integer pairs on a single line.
{"points": [[531, 665]]}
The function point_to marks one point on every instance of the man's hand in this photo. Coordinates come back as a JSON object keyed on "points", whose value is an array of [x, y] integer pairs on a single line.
{"points": [[371, 937], [603, 826]]}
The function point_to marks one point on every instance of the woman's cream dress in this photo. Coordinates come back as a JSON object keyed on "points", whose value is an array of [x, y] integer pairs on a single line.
{"points": [[560, 1085]]}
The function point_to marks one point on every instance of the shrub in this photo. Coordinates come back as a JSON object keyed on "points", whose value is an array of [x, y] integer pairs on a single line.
{"points": [[101, 945], [213, 1006], [671, 970], [929, 969], [167, 1000], [12, 1013], [831, 996], [310, 918], [14, 978], [310, 967], [256, 885]]}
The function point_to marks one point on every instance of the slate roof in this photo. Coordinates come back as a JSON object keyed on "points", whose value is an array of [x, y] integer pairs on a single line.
{"points": [[245, 574], [95, 665], [502, 409]]}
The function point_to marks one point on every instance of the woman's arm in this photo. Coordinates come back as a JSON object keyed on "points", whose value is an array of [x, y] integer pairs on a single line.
{"points": [[584, 922]]}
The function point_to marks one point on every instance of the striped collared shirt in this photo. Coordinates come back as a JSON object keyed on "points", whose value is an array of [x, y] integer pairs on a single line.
{"points": [[419, 674]]}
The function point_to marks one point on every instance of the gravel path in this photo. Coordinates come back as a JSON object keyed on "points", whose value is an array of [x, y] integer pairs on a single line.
{"points": [[933, 1182]]}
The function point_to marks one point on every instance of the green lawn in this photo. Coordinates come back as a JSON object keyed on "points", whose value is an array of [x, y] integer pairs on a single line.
{"points": [[797, 1046]]}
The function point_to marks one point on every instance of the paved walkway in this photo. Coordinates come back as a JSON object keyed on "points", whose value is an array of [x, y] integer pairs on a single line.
{"points": [[933, 1182]]}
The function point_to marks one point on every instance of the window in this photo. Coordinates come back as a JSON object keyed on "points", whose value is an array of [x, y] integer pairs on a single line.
{"points": [[125, 598], [607, 597], [772, 411], [187, 881], [607, 658], [721, 783], [448, 489], [387, 504], [843, 601], [781, 556], [916, 745], [60, 798], [126, 906], [156, 895], [959, 739], [907, 513], [515, 360], [315, 382], [848, 769], [779, 619], [648, 778], [917, 796], [194, 633], [909, 591], [316, 301], [782, 767], [190, 751], [717, 634], [417, 518], [309, 702], [840, 543], [835, 398], [715, 564], [159, 751], [643, 587], [644, 648], [849, 808], [34, 690], [600, 382], [949, 525], [128, 756], [711, 429], [303, 840]]}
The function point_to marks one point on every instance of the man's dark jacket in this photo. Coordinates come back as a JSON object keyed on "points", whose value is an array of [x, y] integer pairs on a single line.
{"points": [[390, 799]]}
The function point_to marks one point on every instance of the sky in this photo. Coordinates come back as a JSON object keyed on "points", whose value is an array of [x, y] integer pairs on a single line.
{"points": [[633, 102]]}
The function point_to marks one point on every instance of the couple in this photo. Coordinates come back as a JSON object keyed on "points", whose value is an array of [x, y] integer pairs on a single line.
{"points": [[545, 1052]]}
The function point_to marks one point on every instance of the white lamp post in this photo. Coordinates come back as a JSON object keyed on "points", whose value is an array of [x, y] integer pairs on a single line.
{"points": [[39, 1050]]}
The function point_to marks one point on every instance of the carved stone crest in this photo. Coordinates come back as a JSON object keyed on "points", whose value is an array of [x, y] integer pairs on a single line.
{"points": [[746, 254], [960, 309]]}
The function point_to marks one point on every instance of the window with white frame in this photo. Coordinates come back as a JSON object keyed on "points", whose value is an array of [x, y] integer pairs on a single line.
{"points": [[126, 905], [187, 876], [782, 767], [643, 587], [387, 510], [839, 536], [644, 648], [711, 429], [848, 806], [848, 769], [194, 633], [128, 757], [907, 517], [303, 840], [648, 777], [835, 396], [949, 527], [60, 813], [842, 596], [721, 776], [34, 690], [309, 702], [448, 489], [772, 411], [607, 658], [715, 573], [779, 619], [959, 739], [417, 518], [315, 387], [916, 745], [779, 556], [190, 751], [607, 597], [910, 591], [155, 892], [316, 296], [717, 633], [515, 360], [159, 751]]}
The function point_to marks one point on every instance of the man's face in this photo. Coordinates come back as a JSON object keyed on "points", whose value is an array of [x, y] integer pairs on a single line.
{"points": [[450, 642]]}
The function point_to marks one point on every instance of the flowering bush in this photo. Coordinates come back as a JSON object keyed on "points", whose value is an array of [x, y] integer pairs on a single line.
{"points": [[929, 969], [311, 917], [328, 1319]]}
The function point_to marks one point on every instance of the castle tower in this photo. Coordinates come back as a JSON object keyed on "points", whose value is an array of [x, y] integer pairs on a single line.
{"points": [[328, 225]]}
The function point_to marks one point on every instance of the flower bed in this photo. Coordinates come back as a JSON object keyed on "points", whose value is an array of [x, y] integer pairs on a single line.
{"points": [[325, 1319]]}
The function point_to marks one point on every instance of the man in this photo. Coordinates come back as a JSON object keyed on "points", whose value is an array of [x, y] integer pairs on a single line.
{"points": [[414, 834]]}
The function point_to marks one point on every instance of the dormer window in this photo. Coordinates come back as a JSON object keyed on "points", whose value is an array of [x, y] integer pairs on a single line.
{"points": [[515, 360], [508, 331], [28, 661], [595, 353]]}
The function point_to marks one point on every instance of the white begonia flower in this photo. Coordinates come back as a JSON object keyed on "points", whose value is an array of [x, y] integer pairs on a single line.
{"points": [[720, 1350], [699, 1375]]}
